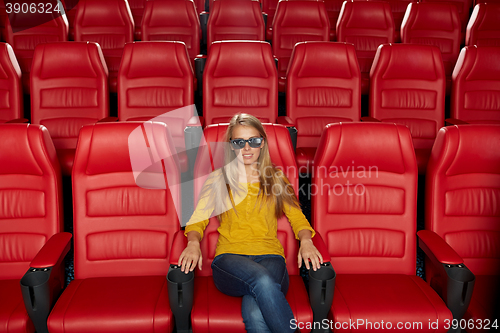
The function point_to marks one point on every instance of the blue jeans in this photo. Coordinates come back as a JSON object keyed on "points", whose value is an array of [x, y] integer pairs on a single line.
{"points": [[263, 282]]}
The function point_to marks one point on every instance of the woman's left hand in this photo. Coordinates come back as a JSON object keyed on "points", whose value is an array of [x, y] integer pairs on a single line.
{"points": [[309, 252]]}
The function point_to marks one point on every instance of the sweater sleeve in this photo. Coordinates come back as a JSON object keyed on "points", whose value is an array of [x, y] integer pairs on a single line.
{"points": [[200, 218], [297, 220]]}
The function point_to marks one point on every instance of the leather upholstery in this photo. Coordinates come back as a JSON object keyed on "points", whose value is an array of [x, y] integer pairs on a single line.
{"points": [[483, 28], [333, 8], [297, 21], [108, 23], [70, 10], [463, 179], [408, 87], [240, 77], [323, 86], [31, 212], [475, 97], [435, 24], [122, 232], [366, 213], [269, 7], [137, 10], [366, 24], [11, 90], [463, 8], [65, 95], [398, 9], [156, 78], [172, 20]]}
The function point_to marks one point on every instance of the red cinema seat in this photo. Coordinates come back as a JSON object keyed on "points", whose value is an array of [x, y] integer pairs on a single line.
{"points": [[462, 213], [323, 86], [123, 232], [11, 90], [435, 24], [70, 10], [172, 20], [366, 24], [398, 9], [463, 7], [110, 24], [297, 21], [475, 97], [240, 77], [28, 37], [269, 7], [155, 83], [483, 28], [137, 10], [235, 20], [365, 210], [65, 95], [333, 8], [408, 87], [31, 225]]}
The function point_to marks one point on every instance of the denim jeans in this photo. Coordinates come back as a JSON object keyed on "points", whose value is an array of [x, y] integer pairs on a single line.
{"points": [[263, 282]]}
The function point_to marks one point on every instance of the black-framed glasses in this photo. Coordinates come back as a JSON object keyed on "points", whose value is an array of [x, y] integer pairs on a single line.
{"points": [[252, 142]]}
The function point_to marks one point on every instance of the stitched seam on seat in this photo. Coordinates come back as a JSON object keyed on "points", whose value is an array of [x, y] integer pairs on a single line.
{"points": [[67, 307], [432, 304], [156, 304], [347, 306]]}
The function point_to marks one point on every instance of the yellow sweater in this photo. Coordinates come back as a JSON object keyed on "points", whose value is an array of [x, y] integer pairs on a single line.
{"points": [[253, 231]]}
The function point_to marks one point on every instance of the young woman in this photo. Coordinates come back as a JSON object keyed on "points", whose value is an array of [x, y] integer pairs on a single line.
{"points": [[248, 195]]}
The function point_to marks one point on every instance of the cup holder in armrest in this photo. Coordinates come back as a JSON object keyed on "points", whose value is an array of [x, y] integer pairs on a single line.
{"points": [[321, 287], [36, 291], [180, 296]]}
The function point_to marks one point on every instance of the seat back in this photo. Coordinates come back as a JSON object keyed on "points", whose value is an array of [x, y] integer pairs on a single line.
{"points": [[211, 157], [11, 97], [408, 87], [65, 95], [235, 20], [333, 8], [240, 77], [323, 86], [137, 10], [297, 21], [463, 8], [172, 20], [461, 200], [483, 28], [475, 97], [120, 228], [398, 9], [31, 195], [365, 175]]}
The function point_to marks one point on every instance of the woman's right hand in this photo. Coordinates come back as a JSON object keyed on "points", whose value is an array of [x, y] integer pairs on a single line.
{"points": [[190, 257]]}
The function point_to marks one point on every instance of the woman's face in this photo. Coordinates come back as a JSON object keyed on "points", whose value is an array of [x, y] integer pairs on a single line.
{"points": [[247, 154]]}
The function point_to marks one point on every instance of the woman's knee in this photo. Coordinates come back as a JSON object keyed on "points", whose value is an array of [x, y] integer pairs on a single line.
{"points": [[265, 284]]}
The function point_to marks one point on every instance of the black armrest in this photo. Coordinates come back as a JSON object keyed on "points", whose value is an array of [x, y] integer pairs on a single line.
{"points": [[192, 139], [321, 287], [293, 135], [199, 67], [264, 16], [180, 296], [203, 25]]}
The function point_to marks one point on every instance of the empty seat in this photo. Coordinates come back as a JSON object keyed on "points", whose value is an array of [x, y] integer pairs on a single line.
{"points": [[172, 20], [366, 24], [137, 9], [461, 210], [483, 28], [155, 83], [475, 97], [323, 86], [108, 23], [366, 213], [297, 21], [408, 87], [11, 90], [65, 95], [235, 20], [123, 232], [463, 7], [240, 77], [333, 8], [435, 24]]}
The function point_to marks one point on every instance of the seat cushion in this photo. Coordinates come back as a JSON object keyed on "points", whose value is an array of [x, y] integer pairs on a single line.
{"points": [[392, 298], [305, 158], [113, 304], [484, 296], [13, 315], [66, 158], [214, 311]]}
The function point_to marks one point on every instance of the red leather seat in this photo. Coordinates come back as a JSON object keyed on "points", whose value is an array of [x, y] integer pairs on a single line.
{"points": [[435, 24], [24, 38], [123, 232], [137, 9], [108, 23], [240, 77], [172, 20], [323, 86], [366, 24], [476, 85], [65, 95], [461, 207], [70, 10], [398, 9], [155, 83], [408, 87], [483, 28], [463, 7], [212, 310], [365, 210], [235, 20], [297, 21], [269, 7], [11, 97], [31, 213], [333, 8]]}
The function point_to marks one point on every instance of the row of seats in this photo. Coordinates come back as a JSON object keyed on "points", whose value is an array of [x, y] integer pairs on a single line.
{"points": [[126, 234], [366, 24]]}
